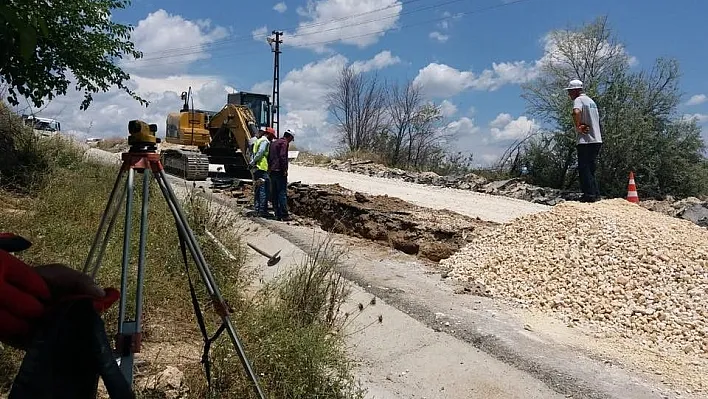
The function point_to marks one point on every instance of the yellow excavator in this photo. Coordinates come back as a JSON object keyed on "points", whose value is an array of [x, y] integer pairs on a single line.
{"points": [[208, 137]]}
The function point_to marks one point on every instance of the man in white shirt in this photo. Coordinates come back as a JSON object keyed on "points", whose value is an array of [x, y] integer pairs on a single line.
{"points": [[587, 124]]}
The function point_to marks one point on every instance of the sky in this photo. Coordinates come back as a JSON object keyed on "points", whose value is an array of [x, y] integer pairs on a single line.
{"points": [[470, 57]]}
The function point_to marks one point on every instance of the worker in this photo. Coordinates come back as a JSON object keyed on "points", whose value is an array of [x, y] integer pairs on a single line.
{"points": [[259, 165], [278, 170], [249, 148], [587, 125]]}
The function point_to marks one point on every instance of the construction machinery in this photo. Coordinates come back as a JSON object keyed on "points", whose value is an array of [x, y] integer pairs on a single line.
{"points": [[209, 137], [221, 137]]}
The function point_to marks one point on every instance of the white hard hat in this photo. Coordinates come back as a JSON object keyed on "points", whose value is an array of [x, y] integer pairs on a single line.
{"points": [[574, 84]]}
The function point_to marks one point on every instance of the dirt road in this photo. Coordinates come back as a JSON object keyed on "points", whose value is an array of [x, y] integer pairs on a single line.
{"points": [[486, 207], [434, 343]]}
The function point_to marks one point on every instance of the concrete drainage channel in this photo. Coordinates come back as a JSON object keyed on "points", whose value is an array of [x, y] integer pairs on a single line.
{"points": [[566, 372]]}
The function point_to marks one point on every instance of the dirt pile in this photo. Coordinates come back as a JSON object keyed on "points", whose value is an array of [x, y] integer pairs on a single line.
{"points": [[433, 234], [612, 266]]}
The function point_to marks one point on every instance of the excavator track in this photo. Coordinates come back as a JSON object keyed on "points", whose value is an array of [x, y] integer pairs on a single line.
{"points": [[185, 164]]}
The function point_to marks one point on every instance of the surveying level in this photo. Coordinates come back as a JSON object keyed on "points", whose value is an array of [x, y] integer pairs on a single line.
{"points": [[143, 159], [141, 136]]}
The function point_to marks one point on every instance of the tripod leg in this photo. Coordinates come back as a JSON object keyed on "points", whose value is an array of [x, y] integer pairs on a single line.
{"points": [[141, 256], [126, 362], [104, 218], [111, 225], [206, 275]]}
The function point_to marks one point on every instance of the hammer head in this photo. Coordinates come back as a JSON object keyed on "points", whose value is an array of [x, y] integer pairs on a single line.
{"points": [[274, 259]]}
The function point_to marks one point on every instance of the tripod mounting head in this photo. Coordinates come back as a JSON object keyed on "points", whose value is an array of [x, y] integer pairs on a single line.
{"points": [[141, 136]]}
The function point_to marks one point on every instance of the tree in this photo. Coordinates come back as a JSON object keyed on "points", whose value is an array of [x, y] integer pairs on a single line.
{"points": [[637, 116], [404, 102], [357, 102], [392, 123], [42, 43]]}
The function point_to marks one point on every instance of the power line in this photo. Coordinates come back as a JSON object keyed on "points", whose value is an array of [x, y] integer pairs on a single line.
{"points": [[310, 44], [299, 26], [318, 32]]}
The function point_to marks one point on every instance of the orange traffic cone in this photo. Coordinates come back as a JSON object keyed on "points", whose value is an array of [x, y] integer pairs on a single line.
{"points": [[632, 190]]}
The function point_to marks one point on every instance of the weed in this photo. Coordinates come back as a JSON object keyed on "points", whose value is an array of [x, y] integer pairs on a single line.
{"points": [[28, 159], [289, 327], [286, 327]]}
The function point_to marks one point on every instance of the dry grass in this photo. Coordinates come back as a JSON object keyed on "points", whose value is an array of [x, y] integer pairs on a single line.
{"points": [[113, 144], [285, 335]]}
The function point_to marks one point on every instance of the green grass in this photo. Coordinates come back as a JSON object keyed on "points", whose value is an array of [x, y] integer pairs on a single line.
{"points": [[287, 328]]}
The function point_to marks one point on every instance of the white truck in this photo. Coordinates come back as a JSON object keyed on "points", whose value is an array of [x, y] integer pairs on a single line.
{"points": [[42, 126]]}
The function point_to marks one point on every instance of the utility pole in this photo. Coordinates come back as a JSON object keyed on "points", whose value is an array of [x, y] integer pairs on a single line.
{"points": [[275, 48]]}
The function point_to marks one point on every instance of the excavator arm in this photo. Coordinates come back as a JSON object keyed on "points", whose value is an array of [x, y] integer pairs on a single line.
{"points": [[233, 127]]}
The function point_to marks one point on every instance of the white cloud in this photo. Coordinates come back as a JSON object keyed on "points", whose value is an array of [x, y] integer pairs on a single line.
{"points": [[281, 7], [462, 128], [159, 83], [700, 118], [303, 96], [340, 21], [505, 127], [170, 43], [380, 60], [259, 34], [441, 80], [447, 108], [435, 35], [697, 99]]}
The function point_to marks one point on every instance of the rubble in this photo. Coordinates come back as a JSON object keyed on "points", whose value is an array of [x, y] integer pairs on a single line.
{"points": [[614, 267], [406, 227], [693, 209], [513, 188]]}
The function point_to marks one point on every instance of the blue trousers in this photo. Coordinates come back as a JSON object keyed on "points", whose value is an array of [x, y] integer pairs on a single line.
{"points": [[280, 193], [260, 196]]}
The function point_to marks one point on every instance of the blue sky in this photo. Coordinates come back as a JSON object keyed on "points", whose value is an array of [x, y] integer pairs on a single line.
{"points": [[219, 45]]}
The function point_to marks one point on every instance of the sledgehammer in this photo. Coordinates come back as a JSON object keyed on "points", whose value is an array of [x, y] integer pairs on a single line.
{"points": [[272, 259]]}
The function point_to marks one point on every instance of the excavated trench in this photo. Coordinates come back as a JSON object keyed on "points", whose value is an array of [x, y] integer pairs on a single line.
{"points": [[429, 233]]}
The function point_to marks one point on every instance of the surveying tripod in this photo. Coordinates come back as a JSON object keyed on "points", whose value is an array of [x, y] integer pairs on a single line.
{"points": [[143, 158]]}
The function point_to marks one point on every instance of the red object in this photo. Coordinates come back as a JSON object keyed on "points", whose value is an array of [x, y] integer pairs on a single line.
{"points": [[25, 298], [632, 190], [22, 292]]}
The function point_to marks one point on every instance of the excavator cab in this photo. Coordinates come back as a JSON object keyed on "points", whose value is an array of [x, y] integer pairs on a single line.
{"points": [[258, 103]]}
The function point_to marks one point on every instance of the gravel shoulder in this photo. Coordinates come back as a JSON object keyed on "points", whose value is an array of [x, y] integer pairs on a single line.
{"points": [[566, 360], [486, 207]]}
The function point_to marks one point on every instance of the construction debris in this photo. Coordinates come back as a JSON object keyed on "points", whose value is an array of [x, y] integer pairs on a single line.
{"points": [[402, 225], [612, 266], [693, 209], [513, 188]]}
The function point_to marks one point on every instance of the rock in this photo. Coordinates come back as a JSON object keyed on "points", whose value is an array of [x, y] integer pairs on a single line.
{"points": [[360, 197], [610, 266], [437, 251], [168, 381], [697, 213]]}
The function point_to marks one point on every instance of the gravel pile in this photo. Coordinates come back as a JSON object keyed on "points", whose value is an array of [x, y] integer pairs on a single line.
{"points": [[612, 266]]}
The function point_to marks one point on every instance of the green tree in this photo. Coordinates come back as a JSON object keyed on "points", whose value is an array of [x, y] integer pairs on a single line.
{"points": [[641, 130], [41, 44]]}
